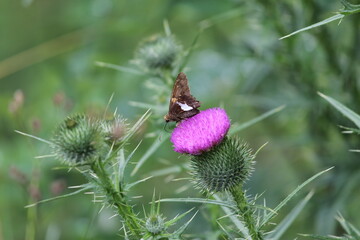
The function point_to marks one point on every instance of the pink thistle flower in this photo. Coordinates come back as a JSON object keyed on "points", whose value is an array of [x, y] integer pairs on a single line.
{"points": [[201, 132]]}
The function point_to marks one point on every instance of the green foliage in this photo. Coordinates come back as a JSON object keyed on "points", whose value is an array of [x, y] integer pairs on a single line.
{"points": [[348, 10], [351, 115], [231, 54], [351, 232]]}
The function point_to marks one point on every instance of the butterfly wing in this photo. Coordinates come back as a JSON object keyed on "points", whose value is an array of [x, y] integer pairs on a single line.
{"points": [[182, 104]]}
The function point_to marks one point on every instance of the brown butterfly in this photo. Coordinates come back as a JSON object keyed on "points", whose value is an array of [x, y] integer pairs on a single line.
{"points": [[182, 104]]}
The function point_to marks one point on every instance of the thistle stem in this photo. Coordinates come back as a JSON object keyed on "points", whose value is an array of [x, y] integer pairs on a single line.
{"points": [[246, 213], [117, 199]]}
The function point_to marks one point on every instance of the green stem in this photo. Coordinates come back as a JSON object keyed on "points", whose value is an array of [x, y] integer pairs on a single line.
{"points": [[166, 74], [245, 211], [117, 198]]}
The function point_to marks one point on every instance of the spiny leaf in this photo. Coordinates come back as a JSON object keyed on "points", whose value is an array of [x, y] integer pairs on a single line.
{"points": [[177, 218], [34, 137], [147, 106], [349, 8], [125, 163], [136, 126], [269, 216], [328, 20], [348, 227], [118, 68], [156, 144], [318, 237], [235, 129], [199, 200], [180, 230], [238, 224], [86, 187], [130, 185], [355, 118], [288, 220]]}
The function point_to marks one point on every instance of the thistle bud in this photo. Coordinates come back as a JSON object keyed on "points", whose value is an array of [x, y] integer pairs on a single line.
{"points": [[159, 52], [78, 140], [155, 224], [224, 167], [114, 129]]}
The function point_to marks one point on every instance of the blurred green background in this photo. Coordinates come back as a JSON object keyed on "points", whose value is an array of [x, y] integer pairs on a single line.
{"points": [[48, 51]]}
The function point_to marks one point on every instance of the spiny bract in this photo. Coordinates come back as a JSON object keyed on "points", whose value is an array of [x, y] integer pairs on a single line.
{"points": [[224, 167], [78, 140]]}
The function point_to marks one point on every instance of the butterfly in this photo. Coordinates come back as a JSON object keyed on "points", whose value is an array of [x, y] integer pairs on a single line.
{"points": [[182, 104]]}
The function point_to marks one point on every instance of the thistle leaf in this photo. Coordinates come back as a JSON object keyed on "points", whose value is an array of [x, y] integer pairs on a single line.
{"points": [[288, 220], [156, 144], [338, 16], [199, 200], [180, 230], [234, 129], [355, 118], [118, 68], [269, 216], [85, 187]]}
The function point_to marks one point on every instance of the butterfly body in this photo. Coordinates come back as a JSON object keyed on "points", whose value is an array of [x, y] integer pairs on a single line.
{"points": [[182, 104]]}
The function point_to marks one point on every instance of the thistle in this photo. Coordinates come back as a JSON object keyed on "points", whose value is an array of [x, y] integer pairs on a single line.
{"points": [[158, 52], [114, 129], [155, 224], [219, 163], [78, 140]]}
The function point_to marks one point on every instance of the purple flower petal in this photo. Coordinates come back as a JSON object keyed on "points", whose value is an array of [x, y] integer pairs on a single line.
{"points": [[201, 132]]}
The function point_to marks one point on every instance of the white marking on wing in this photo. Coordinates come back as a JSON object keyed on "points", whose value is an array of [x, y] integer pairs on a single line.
{"points": [[184, 106]]}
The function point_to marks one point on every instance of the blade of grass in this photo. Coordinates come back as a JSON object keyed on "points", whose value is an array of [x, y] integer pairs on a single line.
{"points": [[156, 144], [180, 230], [269, 216], [34, 137], [355, 118], [122, 168], [199, 200], [59, 197], [118, 68], [328, 20], [130, 185], [136, 126], [177, 218], [288, 220], [318, 237], [247, 124]]}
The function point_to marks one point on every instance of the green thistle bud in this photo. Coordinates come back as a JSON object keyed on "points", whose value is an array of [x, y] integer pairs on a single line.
{"points": [[159, 52], [224, 167], [155, 224], [78, 140]]}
